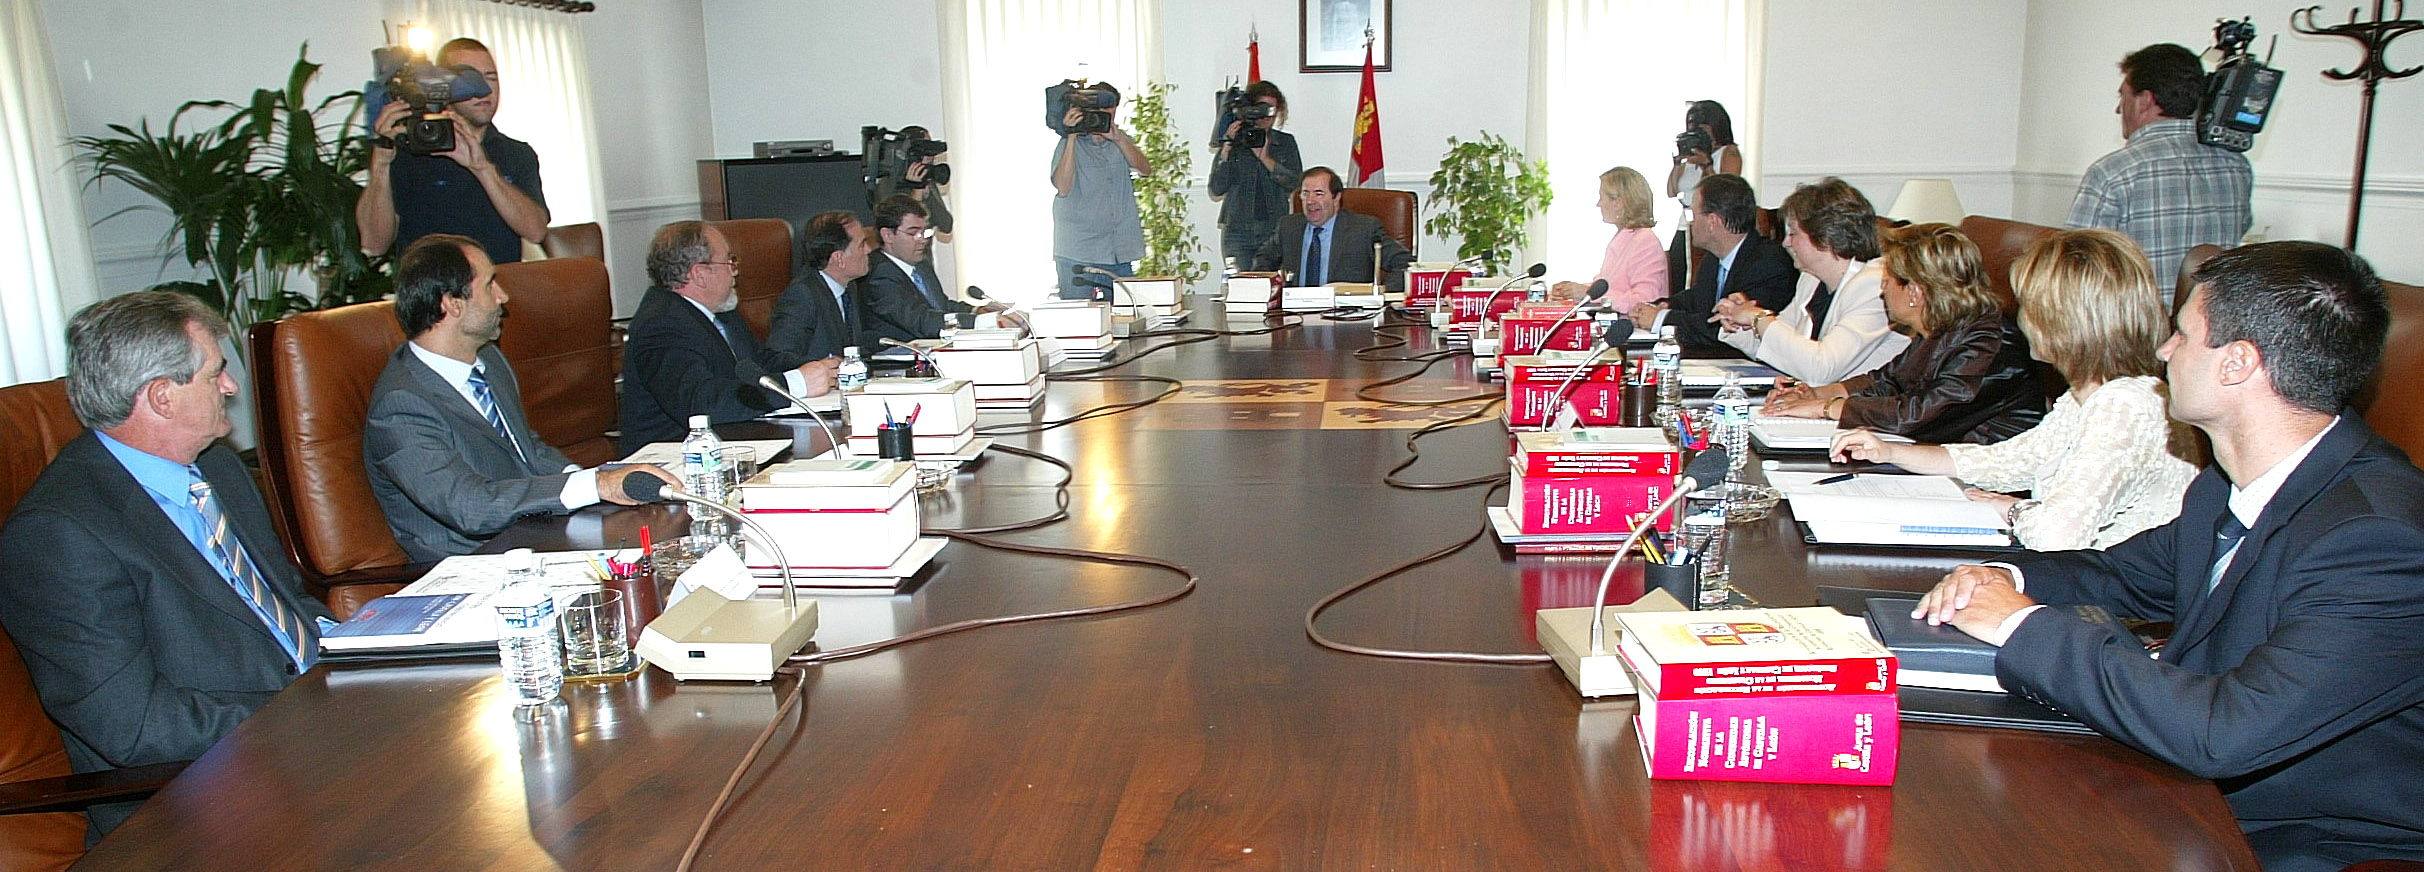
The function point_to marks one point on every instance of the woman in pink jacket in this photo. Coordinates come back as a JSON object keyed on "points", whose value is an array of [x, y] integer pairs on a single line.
{"points": [[1635, 266]]}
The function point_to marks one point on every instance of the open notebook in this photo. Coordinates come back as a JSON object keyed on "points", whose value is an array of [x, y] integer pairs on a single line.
{"points": [[1889, 509]]}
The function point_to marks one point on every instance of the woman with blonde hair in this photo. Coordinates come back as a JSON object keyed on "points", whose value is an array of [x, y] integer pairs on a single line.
{"points": [[2106, 464], [1967, 377], [1634, 267]]}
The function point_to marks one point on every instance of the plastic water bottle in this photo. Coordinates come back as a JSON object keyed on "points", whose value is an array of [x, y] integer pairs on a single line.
{"points": [[1536, 291], [1667, 356], [703, 475], [853, 373], [526, 631], [1704, 533], [1733, 409]]}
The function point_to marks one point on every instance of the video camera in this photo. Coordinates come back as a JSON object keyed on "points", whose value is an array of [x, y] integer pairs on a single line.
{"points": [[1691, 141], [1094, 101], [2239, 94], [1235, 106], [887, 154], [397, 73]]}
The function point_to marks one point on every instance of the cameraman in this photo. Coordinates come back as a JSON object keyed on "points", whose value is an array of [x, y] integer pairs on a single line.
{"points": [[487, 188], [1705, 149], [1253, 185], [920, 178], [1095, 222], [2163, 188]]}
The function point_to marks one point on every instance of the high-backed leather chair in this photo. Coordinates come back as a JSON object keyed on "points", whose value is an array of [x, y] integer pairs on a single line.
{"points": [[1397, 211], [763, 246], [312, 376], [35, 422], [2001, 241], [2393, 401], [575, 240], [559, 337]]}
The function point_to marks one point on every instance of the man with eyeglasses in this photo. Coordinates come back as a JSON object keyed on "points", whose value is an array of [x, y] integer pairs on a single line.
{"points": [[904, 299], [452, 457], [688, 351]]}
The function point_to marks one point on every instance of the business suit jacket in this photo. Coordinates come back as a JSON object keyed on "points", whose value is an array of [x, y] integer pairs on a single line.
{"points": [[1855, 337], [140, 650], [676, 365], [809, 325], [1763, 271], [2297, 684], [446, 479], [1346, 251], [895, 309]]}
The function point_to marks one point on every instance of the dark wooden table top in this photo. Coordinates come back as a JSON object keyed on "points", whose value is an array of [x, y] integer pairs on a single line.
{"points": [[1201, 733]]}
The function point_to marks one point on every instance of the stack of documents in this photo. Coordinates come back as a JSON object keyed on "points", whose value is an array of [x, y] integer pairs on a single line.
{"points": [[1711, 373], [1774, 433], [1886, 509]]}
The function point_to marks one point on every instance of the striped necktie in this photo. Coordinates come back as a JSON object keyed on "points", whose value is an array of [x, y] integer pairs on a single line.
{"points": [[2227, 535], [487, 401], [237, 568]]}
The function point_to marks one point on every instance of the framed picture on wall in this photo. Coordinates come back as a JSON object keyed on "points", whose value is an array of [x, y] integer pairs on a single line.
{"points": [[1331, 35]]}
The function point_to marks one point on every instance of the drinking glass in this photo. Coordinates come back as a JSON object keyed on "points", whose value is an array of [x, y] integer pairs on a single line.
{"points": [[595, 644]]}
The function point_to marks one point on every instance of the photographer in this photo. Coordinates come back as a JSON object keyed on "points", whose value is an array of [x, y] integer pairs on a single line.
{"points": [[1705, 148], [486, 188], [1095, 222], [924, 176], [1257, 169]]}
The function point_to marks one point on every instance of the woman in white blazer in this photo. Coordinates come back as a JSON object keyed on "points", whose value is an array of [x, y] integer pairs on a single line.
{"points": [[1836, 326]]}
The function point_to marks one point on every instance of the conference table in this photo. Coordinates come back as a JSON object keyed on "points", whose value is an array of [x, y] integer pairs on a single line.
{"points": [[1205, 732]]}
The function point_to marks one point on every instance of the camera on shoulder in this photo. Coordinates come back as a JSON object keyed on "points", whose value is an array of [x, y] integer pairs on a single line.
{"points": [[1236, 106], [428, 89], [887, 154], [1094, 103]]}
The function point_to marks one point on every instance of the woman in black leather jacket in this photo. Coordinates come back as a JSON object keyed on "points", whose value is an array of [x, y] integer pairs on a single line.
{"points": [[1966, 376]]}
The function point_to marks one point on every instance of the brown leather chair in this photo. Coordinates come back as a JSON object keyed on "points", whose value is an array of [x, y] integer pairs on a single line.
{"points": [[763, 246], [312, 376], [558, 336], [2393, 402], [41, 824], [1397, 212], [575, 240], [2001, 241]]}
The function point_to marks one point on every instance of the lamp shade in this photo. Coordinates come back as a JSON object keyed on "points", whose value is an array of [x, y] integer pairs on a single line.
{"points": [[1927, 201]]}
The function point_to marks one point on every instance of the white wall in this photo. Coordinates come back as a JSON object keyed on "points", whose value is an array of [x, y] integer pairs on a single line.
{"points": [[125, 61], [1877, 91], [2303, 159], [786, 69]]}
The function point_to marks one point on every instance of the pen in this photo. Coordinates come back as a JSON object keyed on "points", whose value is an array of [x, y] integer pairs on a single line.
{"points": [[1838, 479]]}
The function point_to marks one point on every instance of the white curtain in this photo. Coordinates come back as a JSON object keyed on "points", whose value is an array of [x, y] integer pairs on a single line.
{"points": [[46, 261], [1610, 80], [998, 57], [543, 65]]}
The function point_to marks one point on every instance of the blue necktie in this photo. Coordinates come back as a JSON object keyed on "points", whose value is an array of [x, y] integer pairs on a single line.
{"points": [[1722, 270], [932, 298], [1314, 260], [2227, 536], [236, 567], [487, 401]]}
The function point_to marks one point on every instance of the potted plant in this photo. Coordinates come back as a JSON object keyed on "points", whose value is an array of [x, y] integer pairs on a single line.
{"points": [[1485, 193], [1170, 241], [265, 193]]}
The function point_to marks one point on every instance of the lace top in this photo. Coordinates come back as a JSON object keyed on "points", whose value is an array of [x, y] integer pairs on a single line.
{"points": [[2101, 471]]}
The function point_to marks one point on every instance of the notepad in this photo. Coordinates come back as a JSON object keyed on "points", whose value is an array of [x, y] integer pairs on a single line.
{"points": [[1712, 373], [1884, 509]]}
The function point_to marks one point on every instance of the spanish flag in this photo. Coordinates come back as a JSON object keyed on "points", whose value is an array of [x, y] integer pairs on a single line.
{"points": [[1365, 160]]}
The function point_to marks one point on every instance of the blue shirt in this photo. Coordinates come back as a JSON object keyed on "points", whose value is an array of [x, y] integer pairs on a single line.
{"points": [[170, 484], [1329, 239]]}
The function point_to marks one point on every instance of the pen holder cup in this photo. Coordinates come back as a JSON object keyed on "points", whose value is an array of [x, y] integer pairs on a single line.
{"points": [[1679, 580], [1640, 405], [892, 442]]}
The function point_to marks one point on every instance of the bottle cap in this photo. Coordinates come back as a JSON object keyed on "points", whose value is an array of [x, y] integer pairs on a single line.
{"points": [[698, 421], [849, 351]]}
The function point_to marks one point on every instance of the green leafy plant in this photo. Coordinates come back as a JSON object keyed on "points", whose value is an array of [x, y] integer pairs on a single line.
{"points": [[266, 191], [1485, 193], [1170, 242]]}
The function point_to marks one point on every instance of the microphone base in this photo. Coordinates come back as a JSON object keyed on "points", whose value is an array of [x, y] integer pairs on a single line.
{"points": [[1566, 635], [706, 637]]}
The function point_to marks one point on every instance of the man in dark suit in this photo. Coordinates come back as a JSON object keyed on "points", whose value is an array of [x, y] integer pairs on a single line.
{"points": [[902, 297], [1328, 244], [452, 457], [1725, 215], [2294, 577], [821, 312], [139, 577], [688, 352]]}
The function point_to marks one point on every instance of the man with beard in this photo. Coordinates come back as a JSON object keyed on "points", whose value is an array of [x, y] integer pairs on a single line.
{"points": [[689, 353]]}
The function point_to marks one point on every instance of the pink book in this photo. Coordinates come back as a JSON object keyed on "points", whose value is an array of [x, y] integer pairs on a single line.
{"points": [[1853, 739], [1587, 504]]}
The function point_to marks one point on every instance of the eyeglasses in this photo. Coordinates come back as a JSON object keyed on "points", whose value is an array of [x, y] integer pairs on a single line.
{"points": [[920, 233], [734, 263]]}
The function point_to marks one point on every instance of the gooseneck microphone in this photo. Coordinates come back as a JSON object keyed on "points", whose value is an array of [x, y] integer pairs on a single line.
{"points": [[1537, 270], [651, 489], [840, 448], [1709, 467], [1619, 331]]}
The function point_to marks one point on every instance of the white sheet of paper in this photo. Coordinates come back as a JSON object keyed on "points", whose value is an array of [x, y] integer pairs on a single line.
{"points": [[669, 454], [1868, 484], [721, 571]]}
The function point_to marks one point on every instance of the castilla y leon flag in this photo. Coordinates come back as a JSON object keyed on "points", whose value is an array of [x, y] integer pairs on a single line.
{"points": [[1366, 157], [1253, 56]]}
